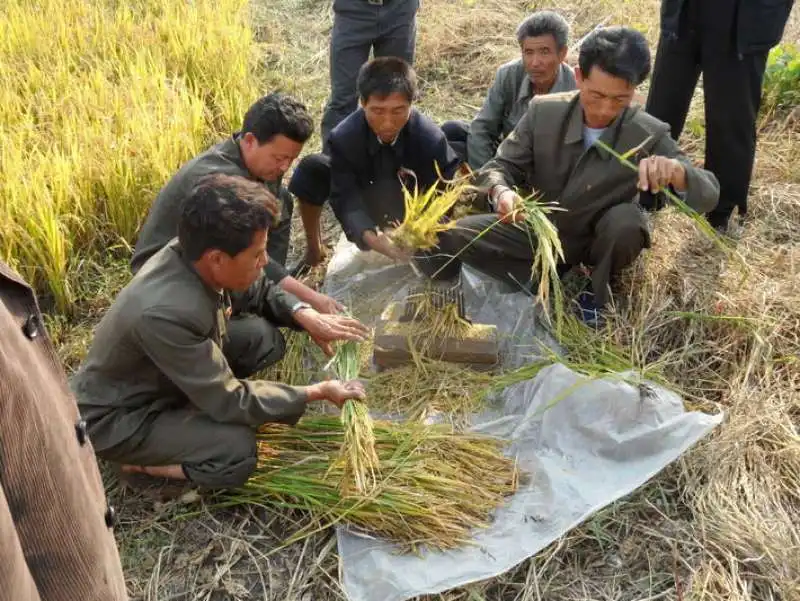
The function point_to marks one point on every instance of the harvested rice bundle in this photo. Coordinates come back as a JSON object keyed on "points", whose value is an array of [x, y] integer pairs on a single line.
{"points": [[358, 454], [547, 253], [426, 214], [436, 486]]}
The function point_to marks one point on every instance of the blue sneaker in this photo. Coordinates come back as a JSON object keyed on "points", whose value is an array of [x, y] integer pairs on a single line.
{"points": [[588, 311]]}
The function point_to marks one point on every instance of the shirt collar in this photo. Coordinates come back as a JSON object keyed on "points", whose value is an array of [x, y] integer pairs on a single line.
{"points": [[526, 86], [374, 143]]}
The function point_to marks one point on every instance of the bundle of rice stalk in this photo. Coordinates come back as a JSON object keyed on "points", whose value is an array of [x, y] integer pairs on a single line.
{"points": [[700, 221], [358, 454], [426, 214], [436, 487], [547, 252]]}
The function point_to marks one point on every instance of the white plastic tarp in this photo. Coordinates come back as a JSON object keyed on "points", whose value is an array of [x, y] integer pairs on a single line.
{"points": [[583, 442]]}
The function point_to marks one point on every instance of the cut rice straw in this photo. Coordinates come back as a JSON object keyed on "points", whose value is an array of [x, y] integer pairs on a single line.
{"points": [[426, 214], [358, 454], [436, 487], [701, 222]]}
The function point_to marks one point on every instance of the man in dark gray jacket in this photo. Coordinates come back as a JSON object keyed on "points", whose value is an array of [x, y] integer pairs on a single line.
{"points": [[540, 70], [156, 390], [728, 41]]}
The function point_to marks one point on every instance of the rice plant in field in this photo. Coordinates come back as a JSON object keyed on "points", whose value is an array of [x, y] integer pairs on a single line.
{"points": [[98, 107]]}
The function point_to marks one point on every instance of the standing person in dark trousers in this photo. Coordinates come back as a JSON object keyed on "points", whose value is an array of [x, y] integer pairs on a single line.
{"points": [[541, 69], [728, 42], [370, 152], [389, 27]]}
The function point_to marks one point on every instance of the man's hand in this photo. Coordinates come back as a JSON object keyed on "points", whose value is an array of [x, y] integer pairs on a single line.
{"points": [[656, 173], [325, 329], [507, 205], [336, 391], [384, 245], [325, 304]]}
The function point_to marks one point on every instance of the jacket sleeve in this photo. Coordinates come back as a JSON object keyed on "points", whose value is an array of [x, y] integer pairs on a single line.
{"points": [[346, 199], [267, 299], [485, 130], [702, 186], [513, 163], [195, 364]]}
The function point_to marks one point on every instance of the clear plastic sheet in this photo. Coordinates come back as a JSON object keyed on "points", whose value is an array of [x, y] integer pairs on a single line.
{"points": [[584, 443]]}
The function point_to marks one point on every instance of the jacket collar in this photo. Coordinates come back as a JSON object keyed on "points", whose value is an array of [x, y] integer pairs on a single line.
{"points": [[175, 246], [615, 135], [561, 84]]}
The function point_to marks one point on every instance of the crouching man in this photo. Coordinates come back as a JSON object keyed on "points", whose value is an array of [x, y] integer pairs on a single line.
{"points": [[552, 152], [156, 389]]}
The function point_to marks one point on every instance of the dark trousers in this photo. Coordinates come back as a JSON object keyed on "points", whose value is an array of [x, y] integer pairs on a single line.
{"points": [[358, 27], [732, 90], [251, 344], [457, 134], [506, 251]]}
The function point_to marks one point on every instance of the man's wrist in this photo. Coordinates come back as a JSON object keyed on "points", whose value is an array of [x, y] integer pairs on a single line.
{"points": [[495, 192], [299, 306]]}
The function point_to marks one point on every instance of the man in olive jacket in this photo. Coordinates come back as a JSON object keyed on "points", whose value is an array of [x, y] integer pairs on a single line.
{"points": [[552, 151], [156, 389], [56, 538], [728, 41]]}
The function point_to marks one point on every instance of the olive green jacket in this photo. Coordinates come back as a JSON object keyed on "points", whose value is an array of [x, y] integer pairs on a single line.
{"points": [[159, 346], [161, 224], [545, 153], [505, 104]]}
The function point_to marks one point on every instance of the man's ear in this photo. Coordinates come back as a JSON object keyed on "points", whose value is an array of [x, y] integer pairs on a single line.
{"points": [[578, 75], [562, 54]]}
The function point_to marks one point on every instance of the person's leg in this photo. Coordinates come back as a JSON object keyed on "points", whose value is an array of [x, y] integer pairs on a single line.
{"points": [[189, 445], [457, 134], [311, 184], [732, 88], [397, 29], [501, 250], [251, 344], [675, 74], [619, 236], [355, 26]]}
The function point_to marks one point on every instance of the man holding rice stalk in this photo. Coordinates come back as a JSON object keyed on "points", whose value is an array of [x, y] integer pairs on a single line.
{"points": [[273, 133], [559, 153], [156, 390], [372, 153], [541, 69]]}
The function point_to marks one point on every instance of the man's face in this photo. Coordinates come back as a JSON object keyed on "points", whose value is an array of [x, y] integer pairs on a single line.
{"points": [[387, 116], [270, 160], [240, 272], [603, 96], [542, 59]]}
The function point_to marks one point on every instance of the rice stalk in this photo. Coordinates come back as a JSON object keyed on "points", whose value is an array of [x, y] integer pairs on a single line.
{"points": [[437, 486], [358, 453], [426, 214], [700, 221]]}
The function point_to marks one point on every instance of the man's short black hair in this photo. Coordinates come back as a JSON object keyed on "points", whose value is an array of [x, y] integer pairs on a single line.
{"points": [[384, 76], [619, 51], [223, 212], [278, 114], [545, 22]]}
